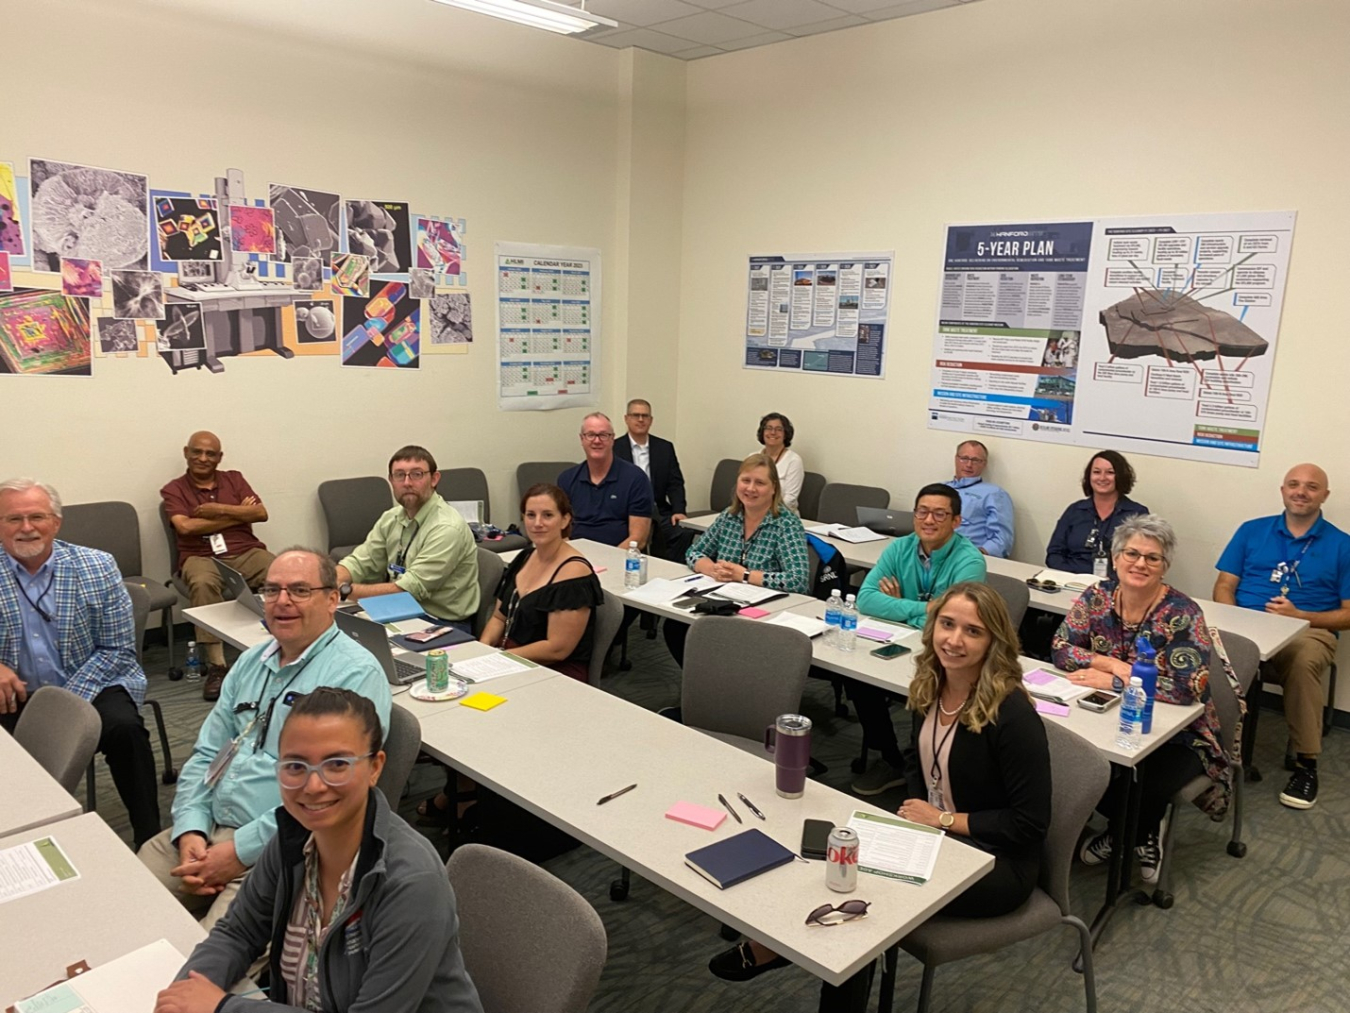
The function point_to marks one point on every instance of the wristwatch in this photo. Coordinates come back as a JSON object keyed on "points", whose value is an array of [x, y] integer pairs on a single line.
{"points": [[745, 577], [1117, 684], [946, 819], [345, 589]]}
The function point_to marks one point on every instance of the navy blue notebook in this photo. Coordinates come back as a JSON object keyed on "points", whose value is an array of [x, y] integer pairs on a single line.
{"points": [[738, 858]]}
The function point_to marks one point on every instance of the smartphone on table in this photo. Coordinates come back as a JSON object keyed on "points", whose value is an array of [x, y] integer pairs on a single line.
{"points": [[1099, 700], [816, 838], [888, 651]]}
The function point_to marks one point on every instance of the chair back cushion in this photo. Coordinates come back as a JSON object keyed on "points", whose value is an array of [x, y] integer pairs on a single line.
{"points": [[608, 619], [723, 484], [1078, 775], [1015, 594], [740, 675], [839, 502], [402, 742], [466, 484], [351, 506], [490, 570], [111, 526], [60, 730]]}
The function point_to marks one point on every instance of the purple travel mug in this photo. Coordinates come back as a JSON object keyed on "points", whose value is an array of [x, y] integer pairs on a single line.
{"points": [[789, 739]]}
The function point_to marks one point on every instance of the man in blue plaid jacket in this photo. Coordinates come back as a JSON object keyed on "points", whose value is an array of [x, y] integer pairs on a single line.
{"points": [[66, 620]]}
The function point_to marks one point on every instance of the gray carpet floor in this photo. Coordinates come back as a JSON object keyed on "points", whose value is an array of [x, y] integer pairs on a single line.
{"points": [[1265, 933]]}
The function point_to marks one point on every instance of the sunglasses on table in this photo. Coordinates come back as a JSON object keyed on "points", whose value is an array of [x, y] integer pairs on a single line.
{"points": [[846, 911], [1048, 586]]}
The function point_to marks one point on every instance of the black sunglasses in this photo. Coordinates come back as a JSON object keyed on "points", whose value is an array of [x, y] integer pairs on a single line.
{"points": [[850, 909], [1048, 586]]}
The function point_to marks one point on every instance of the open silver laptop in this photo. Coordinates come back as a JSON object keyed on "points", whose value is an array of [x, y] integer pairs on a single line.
{"points": [[887, 521], [375, 639], [233, 585]]}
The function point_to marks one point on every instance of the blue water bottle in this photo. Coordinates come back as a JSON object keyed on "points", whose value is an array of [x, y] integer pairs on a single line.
{"points": [[1145, 668]]}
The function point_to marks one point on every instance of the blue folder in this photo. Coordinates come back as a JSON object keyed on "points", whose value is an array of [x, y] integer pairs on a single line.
{"points": [[391, 608], [738, 858]]}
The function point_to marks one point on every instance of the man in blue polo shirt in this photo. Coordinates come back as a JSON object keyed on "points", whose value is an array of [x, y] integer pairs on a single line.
{"points": [[611, 499], [986, 509], [1295, 564]]}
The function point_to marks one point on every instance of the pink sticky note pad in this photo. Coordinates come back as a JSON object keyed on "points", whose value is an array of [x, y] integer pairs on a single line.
{"points": [[1059, 710], [696, 815], [1038, 678], [750, 612]]}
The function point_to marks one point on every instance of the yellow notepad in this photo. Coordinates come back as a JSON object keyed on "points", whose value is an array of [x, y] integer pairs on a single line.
{"points": [[483, 701]]}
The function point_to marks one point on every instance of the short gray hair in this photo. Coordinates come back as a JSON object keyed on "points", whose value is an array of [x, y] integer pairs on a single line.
{"points": [[597, 415], [327, 568], [27, 485], [1145, 526]]}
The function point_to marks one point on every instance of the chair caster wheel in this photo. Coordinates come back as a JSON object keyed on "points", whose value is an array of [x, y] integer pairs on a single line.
{"points": [[170, 777], [1238, 849], [1253, 775], [618, 890], [841, 711], [728, 933], [1163, 900], [857, 766], [175, 674], [625, 666]]}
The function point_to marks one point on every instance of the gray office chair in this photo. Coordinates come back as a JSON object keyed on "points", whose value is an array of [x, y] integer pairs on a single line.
{"points": [[471, 484], [115, 528], [534, 472], [1015, 594], [608, 619], [1246, 659], [530, 942], [808, 500], [61, 731], [723, 484], [739, 676], [1078, 773], [401, 746], [839, 502], [490, 570], [351, 506]]}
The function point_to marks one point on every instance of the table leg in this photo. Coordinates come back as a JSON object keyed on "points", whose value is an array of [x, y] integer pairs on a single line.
{"points": [[852, 995], [1121, 868], [886, 1000]]}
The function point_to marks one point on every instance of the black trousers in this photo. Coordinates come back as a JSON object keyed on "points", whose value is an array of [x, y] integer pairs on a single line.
{"points": [[874, 714], [675, 632], [125, 744], [1004, 889], [1161, 775]]}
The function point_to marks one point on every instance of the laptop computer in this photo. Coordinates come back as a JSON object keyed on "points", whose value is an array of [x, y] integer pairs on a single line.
{"points": [[375, 639], [233, 585], [887, 521]]}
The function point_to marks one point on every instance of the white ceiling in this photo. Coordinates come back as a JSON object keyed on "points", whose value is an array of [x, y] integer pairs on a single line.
{"points": [[690, 29]]}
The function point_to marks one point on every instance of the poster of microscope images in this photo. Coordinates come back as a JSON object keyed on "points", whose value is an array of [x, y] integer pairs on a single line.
{"points": [[1154, 335], [98, 262]]}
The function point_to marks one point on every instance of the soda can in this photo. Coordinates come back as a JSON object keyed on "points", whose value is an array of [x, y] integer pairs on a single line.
{"points": [[438, 671], [841, 860]]}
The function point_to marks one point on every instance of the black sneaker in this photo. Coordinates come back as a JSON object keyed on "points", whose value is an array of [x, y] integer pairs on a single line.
{"points": [[1301, 791], [1149, 855], [1096, 849]]}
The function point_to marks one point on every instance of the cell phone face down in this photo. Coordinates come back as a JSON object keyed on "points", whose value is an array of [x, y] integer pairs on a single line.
{"points": [[816, 838], [889, 651]]}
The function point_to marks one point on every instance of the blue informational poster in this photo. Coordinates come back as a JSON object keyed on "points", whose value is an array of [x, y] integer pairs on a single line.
{"points": [[819, 313]]}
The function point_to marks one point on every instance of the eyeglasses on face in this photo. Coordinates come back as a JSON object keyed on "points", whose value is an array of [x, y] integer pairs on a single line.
{"points": [[17, 520], [334, 771], [1134, 555], [296, 592], [639, 415], [846, 911], [923, 513], [969, 460], [774, 429], [597, 437], [409, 476]]}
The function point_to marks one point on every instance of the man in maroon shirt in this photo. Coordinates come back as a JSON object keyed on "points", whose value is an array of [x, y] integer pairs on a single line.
{"points": [[214, 512]]}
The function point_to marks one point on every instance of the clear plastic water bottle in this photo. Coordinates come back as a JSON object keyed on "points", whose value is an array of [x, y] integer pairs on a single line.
{"points": [[1145, 669], [848, 624], [192, 668], [834, 609], [1131, 715], [632, 567]]}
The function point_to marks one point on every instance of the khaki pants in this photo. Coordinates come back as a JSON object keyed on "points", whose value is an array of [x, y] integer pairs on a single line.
{"points": [[160, 855], [1298, 668], [203, 580]]}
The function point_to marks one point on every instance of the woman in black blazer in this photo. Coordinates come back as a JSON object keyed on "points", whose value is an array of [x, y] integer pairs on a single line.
{"points": [[978, 764]]}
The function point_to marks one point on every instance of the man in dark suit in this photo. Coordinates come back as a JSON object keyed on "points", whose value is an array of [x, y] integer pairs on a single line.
{"points": [[656, 457]]}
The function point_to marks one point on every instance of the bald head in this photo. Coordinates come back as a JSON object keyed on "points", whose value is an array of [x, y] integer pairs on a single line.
{"points": [[1304, 491], [203, 455]]}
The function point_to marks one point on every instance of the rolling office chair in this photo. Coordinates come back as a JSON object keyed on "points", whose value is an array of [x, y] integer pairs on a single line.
{"points": [[351, 506]]}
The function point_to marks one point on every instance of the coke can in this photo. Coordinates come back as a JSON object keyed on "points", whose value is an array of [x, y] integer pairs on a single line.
{"points": [[841, 860], [438, 671]]}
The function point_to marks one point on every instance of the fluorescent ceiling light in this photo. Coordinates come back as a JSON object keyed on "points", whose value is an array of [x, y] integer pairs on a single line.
{"points": [[553, 17]]}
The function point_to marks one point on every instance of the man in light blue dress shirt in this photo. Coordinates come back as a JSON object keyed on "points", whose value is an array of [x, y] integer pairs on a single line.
{"points": [[986, 510]]}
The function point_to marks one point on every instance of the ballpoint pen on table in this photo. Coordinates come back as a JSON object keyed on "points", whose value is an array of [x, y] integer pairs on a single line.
{"points": [[610, 797], [734, 815], [751, 806]]}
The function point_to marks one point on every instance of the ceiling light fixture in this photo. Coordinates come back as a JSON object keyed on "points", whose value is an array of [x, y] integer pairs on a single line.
{"points": [[553, 17]]}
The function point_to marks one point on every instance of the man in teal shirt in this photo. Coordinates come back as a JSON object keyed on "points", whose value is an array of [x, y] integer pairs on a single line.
{"points": [[225, 810], [911, 573], [422, 546]]}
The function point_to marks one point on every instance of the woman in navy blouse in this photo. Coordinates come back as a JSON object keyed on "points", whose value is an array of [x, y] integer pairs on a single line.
{"points": [[1090, 522]]}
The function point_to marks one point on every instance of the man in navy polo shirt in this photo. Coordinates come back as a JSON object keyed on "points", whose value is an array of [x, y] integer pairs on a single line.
{"points": [[1295, 564], [611, 499]]}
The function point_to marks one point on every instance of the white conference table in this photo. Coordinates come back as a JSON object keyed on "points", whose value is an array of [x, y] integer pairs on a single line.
{"points": [[114, 907], [1269, 632], [31, 797]]}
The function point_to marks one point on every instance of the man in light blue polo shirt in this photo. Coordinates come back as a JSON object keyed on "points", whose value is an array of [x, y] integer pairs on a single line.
{"points": [[224, 813], [986, 510], [611, 499], [1295, 564]]}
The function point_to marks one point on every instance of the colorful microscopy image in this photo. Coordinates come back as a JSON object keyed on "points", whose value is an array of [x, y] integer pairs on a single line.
{"points": [[252, 230], [117, 335], [351, 274], [6, 277], [81, 278], [382, 231], [11, 226], [138, 295], [43, 332], [187, 228], [88, 213], [308, 222], [439, 246], [181, 329], [382, 330]]}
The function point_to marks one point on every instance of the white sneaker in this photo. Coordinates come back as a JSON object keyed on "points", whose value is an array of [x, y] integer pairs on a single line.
{"points": [[1096, 850]]}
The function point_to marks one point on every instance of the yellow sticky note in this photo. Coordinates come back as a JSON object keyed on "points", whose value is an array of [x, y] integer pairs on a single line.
{"points": [[483, 701]]}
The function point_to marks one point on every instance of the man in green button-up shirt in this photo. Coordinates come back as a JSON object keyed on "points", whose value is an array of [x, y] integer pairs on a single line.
{"points": [[422, 546]]}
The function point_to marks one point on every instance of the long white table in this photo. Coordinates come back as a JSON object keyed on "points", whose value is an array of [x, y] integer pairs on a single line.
{"points": [[31, 797], [114, 907]]}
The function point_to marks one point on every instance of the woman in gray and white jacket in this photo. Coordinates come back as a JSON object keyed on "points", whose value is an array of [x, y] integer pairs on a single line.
{"points": [[354, 902]]}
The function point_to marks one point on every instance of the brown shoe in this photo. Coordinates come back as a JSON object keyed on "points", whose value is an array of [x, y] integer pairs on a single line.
{"points": [[215, 675]]}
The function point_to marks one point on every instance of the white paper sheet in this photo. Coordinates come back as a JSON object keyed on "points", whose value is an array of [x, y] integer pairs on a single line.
{"points": [[895, 848], [845, 533], [805, 624], [658, 591], [33, 867], [487, 667], [470, 509], [128, 984], [1073, 581], [1047, 686], [746, 594]]}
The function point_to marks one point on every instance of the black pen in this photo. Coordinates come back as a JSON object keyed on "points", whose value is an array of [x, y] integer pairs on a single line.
{"points": [[734, 815], [751, 806], [612, 797]]}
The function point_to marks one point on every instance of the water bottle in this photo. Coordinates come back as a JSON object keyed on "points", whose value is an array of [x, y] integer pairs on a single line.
{"points": [[834, 609], [1145, 669], [632, 567], [848, 624], [192, 668], [1131, 715], [1101, 562]]}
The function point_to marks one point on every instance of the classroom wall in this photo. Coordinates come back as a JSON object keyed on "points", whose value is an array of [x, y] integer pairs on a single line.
{"points": [[1016, 110]]}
